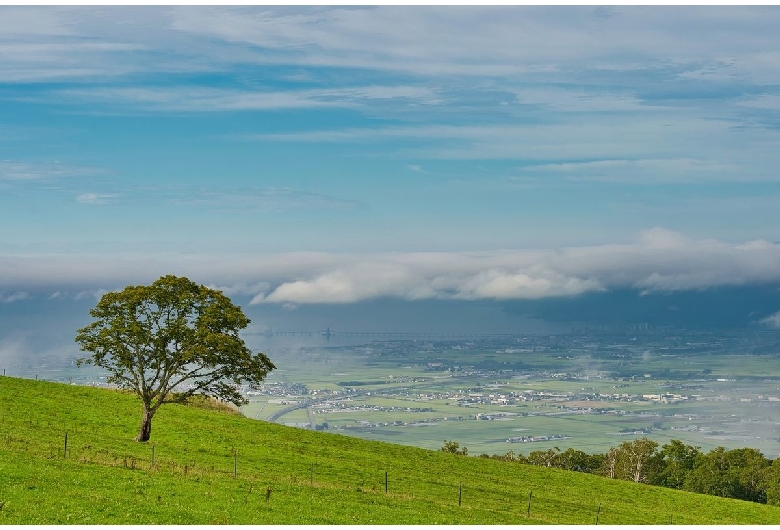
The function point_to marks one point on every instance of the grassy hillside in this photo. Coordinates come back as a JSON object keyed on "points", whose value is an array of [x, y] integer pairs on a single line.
{"points": [[107, 478]]}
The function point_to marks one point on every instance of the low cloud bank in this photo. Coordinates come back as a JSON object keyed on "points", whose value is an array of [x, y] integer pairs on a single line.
{"points": [[659, 260], [772, 320]]}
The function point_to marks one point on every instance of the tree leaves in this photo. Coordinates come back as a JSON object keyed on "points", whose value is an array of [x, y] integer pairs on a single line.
{"points": [[158, 338]]}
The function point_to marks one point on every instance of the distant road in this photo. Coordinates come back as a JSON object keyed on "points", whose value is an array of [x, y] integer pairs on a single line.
{"points": [[279, 413], [307, 404]]}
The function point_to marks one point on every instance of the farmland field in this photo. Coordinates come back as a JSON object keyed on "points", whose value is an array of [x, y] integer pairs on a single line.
{"points": [[584, 391], [540, 391]]}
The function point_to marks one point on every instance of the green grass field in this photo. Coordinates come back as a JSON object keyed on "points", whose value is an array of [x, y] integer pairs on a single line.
{"points": [[313, 478]]}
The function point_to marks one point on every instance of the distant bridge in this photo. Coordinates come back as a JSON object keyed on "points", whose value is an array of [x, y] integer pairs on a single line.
{"points": [[328, 333]]}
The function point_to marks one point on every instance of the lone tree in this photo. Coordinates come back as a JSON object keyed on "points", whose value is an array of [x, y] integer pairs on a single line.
{"points": [[170, 340]]}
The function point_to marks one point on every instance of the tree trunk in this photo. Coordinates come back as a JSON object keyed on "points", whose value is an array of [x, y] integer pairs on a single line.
{"points": [[146, 426]]}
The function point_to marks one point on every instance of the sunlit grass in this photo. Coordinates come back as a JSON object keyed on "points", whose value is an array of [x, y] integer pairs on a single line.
{"points": [[314, 478]]}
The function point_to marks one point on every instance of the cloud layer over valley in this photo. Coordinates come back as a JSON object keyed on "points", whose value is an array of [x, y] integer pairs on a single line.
{"points": [[658, 260]]}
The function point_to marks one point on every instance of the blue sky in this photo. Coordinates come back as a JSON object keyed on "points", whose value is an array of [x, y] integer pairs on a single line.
{"points": [[334, 155]]}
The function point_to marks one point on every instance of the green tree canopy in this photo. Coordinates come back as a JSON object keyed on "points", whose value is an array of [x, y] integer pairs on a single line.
{"points": [[736, 473], [677, 461], [636, 461], [169, 340]]}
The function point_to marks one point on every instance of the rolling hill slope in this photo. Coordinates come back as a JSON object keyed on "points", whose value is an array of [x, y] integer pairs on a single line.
{"points": [[214, 467]]}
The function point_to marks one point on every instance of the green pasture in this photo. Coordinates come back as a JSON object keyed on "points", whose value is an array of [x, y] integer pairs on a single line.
{"points": [[211, 467]]}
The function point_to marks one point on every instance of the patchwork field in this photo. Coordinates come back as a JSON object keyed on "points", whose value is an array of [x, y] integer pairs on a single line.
{"points": [[483, 393]]}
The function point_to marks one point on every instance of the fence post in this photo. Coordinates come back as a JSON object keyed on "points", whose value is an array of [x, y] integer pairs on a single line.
{"points": [[597, 513], [530, 495], [235, 464], [385, 481], [460, 493], [152, 466], [65, 452], [311, 483]]}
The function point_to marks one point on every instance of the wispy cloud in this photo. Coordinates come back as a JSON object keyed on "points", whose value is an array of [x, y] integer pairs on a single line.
{"points": [[29, 171], [268, 199], [97, 294], [508, 41], [492, 41], [96, 198], [766, 101], [580, 100], [616, 150], [206, 99], [13, 297], [656, 171]]}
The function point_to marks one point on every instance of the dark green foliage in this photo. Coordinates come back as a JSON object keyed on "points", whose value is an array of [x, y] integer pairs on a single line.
{"points": [[771, 483], [575, 460], [736, 474], [636, 461], [570, 460], [454, 448], [677, 460], [154, 338]]}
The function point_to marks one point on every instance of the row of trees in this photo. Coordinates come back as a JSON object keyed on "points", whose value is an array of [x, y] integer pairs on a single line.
{"points": [[736, 473]]}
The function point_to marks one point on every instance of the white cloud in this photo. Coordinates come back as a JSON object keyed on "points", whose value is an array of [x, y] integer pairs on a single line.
{"points": [[96, 198], [242, 288], [97, 294], [491, 41], [659, 260], [13, 297], [772, 320], [29, 171], [435, 41]]}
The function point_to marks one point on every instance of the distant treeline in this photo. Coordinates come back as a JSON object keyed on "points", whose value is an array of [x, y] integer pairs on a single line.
{"points": [[737, 473], [360, 383]]}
